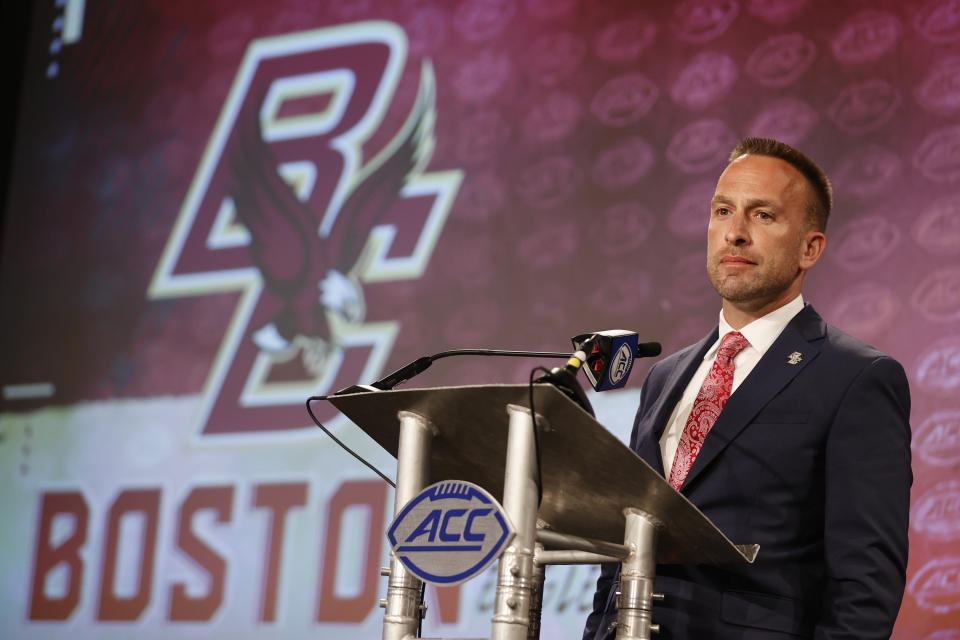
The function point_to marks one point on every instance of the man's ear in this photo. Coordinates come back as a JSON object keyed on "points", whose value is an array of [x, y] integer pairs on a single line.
{"points": [[813, 246]]}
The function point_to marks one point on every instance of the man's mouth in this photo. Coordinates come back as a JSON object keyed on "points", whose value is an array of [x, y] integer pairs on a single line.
{"points": [[736, 261]]}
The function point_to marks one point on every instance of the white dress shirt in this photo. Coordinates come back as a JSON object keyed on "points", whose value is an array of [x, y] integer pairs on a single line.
{"points": [[760, 333]]}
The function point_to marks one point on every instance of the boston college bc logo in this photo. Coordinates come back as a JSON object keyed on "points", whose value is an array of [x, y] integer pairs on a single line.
{"points": [[286, 212]]}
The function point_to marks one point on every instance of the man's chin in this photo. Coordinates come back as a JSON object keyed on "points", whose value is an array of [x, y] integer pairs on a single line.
{"points": [[748, 295], [740, 292], [733, 289]]}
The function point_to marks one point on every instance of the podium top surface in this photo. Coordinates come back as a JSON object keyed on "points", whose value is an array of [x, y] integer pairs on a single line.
{"points": [[589, 476]]}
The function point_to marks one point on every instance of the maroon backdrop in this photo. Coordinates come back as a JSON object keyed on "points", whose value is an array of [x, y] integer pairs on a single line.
{"points": [[588, 136]]}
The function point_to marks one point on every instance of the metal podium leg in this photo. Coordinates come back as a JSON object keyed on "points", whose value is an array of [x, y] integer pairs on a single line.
{"points": [[635, 597], [536, 596], [413, 471], [511, 612]]}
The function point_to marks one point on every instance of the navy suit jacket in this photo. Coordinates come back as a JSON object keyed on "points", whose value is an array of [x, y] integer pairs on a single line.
{"points": [[809, 460]]}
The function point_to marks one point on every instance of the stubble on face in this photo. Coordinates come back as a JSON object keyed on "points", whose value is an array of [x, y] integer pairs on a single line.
{"points": [[769, 276]]}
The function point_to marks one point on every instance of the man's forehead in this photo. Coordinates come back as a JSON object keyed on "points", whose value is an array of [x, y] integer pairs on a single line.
{"points": [[767, 176], [763, 164]]}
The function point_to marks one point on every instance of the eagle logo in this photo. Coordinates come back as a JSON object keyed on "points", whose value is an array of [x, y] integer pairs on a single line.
{"points": [[291, 224], [315, 275]]}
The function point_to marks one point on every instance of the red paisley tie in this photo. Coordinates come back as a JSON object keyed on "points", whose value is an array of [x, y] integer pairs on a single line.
{"points": [[710, 400]]}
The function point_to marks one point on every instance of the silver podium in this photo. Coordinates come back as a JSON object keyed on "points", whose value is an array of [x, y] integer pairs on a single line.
{"points": [[600, 501]]}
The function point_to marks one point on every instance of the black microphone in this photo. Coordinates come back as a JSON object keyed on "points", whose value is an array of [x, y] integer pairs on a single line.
{"points": [[610, 356], [593, 354], [423, 363], [404, 373], [648, 350], [565, 379]]}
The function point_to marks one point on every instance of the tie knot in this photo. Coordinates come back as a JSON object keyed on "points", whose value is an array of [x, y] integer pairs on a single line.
{"points": [[732, 344]]}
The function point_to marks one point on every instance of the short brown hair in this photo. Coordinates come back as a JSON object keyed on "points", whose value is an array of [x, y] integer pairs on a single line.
{"points": [[822, 200]]}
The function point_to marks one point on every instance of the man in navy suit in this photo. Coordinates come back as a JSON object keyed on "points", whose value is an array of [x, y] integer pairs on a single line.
{"points": [[809, 456]]}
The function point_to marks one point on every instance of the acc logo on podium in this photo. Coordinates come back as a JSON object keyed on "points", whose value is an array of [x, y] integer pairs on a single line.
{"points": [[450, 532]]}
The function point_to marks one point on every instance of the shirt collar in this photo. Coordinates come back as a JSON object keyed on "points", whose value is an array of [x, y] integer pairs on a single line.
{"points": [[762, 332]]}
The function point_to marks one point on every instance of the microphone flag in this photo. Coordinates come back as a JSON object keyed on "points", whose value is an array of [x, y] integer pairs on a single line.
{"points": [[610, 356]]}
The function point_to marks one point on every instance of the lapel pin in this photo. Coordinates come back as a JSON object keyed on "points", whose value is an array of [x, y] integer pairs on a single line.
{"points": [[795, 357]]}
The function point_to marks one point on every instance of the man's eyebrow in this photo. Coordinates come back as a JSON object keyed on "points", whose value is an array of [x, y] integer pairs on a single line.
{"points": [[751, 204]]}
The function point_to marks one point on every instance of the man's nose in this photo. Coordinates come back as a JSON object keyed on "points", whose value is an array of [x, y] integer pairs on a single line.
{"points": [[738, 232]]}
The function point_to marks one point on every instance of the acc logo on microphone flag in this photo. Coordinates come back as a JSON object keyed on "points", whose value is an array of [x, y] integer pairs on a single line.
{"points": [[620, 365], [450, 532], [622, 347]]}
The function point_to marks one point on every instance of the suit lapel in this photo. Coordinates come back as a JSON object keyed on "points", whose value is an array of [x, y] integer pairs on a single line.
{"points": [[773, 372], [678, 378]]}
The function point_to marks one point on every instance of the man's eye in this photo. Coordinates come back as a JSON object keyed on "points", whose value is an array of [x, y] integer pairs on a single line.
{"points": [[763, 215], [722, 211]]}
